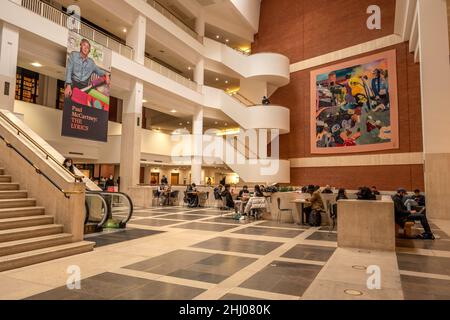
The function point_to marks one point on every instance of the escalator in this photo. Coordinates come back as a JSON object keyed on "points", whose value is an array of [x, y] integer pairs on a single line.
{"points": [[106, 210]]}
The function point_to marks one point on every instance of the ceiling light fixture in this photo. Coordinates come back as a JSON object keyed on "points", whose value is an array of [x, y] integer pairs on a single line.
{"points": [[227, 40], [36, 64], [124, 30], [173, 111], [217, 79], [144, 101], [226, 81], [217, 37]]}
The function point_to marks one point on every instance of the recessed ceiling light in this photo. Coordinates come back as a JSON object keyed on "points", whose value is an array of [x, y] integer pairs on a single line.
{"points": [[180, 123], [226, 81], [189, 68], [226, 124], [144, 101], [36, 64], [227, 40], [124, 30], [215, 122], [217, 36], [173, 111], [187, 122], [217, 79]]}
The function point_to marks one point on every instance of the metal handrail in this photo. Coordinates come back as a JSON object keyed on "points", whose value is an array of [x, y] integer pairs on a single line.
{"points": [[37, 145], [38, 7], [38, 171]]}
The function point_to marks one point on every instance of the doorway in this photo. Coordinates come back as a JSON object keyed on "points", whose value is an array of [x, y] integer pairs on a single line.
{"points": [[175, 179]]}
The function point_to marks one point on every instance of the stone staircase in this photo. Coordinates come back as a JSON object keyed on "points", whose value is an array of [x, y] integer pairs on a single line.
{"points": [[27, 235]]}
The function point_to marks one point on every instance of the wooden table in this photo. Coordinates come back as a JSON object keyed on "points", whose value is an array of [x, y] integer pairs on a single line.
{"points": [[301, 203]]}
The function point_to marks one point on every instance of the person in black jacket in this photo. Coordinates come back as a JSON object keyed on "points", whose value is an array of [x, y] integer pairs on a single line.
{"points": [[402, 214], [229, 203]]}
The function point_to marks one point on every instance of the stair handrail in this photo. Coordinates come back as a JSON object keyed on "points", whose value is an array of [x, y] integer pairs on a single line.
{"points": [[20, 131], [108, 212], [38, 171], [248, 102]]}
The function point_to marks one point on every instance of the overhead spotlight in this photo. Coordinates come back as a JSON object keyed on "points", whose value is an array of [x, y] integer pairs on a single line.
{"points": [[36, 64]]}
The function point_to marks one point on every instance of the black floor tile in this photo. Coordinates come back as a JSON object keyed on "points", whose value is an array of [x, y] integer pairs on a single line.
{"points": [[228, 220], [205, 226], [418, 288], [305, 252], [323, 236], [284, 278], [441, 245], [184, 217], [155, 222], [269, 232], [239, 245], [161, 291], [121, 236], [426, 264]]}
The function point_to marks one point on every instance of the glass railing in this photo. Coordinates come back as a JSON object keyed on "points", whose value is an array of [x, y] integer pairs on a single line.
{"points": [[169, 15], [61, 18], [166, 72], [106, 208]]}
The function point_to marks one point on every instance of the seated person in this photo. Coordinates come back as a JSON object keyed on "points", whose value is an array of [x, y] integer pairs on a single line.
{"points": [[217, 192], [314, 203], [229, 203], [192, 195], [365, 193], [327, 189], [262, 188], [375, 191], [258, 192], [243, 192], [342, 195], [164, 194], [402, 214], [419, 198]]}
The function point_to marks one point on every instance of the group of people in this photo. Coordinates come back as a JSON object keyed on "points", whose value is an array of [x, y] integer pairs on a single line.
{"points": [[406, 208]]}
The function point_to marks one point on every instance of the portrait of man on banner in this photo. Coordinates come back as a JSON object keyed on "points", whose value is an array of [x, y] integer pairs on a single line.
{"points": [[87, 89]]}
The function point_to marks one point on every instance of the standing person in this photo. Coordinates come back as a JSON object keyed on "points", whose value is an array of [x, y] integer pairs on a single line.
{"points": [[68, 164], [109, 182], [223, 181], [164, 180], [80, 69], [402, 215]]}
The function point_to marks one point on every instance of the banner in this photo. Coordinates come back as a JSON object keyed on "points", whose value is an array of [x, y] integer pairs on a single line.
{"points": [[87, 85]]}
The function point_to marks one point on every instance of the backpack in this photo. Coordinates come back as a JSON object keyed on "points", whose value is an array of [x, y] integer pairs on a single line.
{"points": [[315, 219]]}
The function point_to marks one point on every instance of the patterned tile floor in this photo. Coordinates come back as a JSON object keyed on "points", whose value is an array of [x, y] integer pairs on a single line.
{"points": [[182, 253]]}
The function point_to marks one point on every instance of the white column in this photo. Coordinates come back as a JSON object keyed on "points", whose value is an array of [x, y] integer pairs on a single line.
{"points": [[199, 72], [197, 158], [435, 86], [9, 50], [200, 24], [136, 37], [130, 156]]}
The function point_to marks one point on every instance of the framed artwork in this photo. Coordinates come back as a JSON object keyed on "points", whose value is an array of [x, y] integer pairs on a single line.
{"points": [[354, 106]]}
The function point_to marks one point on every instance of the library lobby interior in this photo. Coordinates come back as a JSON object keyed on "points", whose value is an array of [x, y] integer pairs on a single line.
{"points": [[225, 150]]}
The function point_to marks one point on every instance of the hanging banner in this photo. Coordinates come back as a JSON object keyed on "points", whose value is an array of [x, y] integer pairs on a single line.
{"points": [[87, 85]]}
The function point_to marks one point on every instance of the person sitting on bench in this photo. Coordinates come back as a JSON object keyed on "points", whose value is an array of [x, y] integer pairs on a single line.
{"points": [[402, 215]]}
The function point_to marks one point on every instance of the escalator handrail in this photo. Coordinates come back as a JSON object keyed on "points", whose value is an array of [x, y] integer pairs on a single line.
{"points": [[102, 193], [105, 205]]}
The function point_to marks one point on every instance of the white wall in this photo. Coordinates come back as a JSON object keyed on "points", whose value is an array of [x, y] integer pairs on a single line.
{"points": [[250, 11]]}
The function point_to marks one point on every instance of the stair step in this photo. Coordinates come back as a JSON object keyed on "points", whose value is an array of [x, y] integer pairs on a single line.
{"points": [[17, 203], [23, 245], [23, 222], [4, 186], [5, 178], [30, 232], [2, 171], [23, 259], [13, 194], [21, 212]]}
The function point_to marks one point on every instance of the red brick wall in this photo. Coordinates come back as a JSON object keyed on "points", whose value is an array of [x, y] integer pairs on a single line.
{"points": [[303, 29]]}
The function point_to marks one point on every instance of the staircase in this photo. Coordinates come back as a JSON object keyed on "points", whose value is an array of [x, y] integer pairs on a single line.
{"points": [[27, 235]]}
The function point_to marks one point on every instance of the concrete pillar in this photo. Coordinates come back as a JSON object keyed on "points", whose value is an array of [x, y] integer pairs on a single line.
{"points": [[200, 24], [130, 155], [199, 72], [435, 86], [9, 50], [197, 158], [136, 37]]}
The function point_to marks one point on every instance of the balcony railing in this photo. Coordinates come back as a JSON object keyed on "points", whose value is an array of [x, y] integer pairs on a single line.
{"points": [[166, 72], [61, 18], [169, 15]]}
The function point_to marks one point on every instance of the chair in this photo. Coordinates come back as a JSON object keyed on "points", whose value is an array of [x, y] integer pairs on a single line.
{"points": [[155, 198], [203, 198], [280, 211], [174, 197]]}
